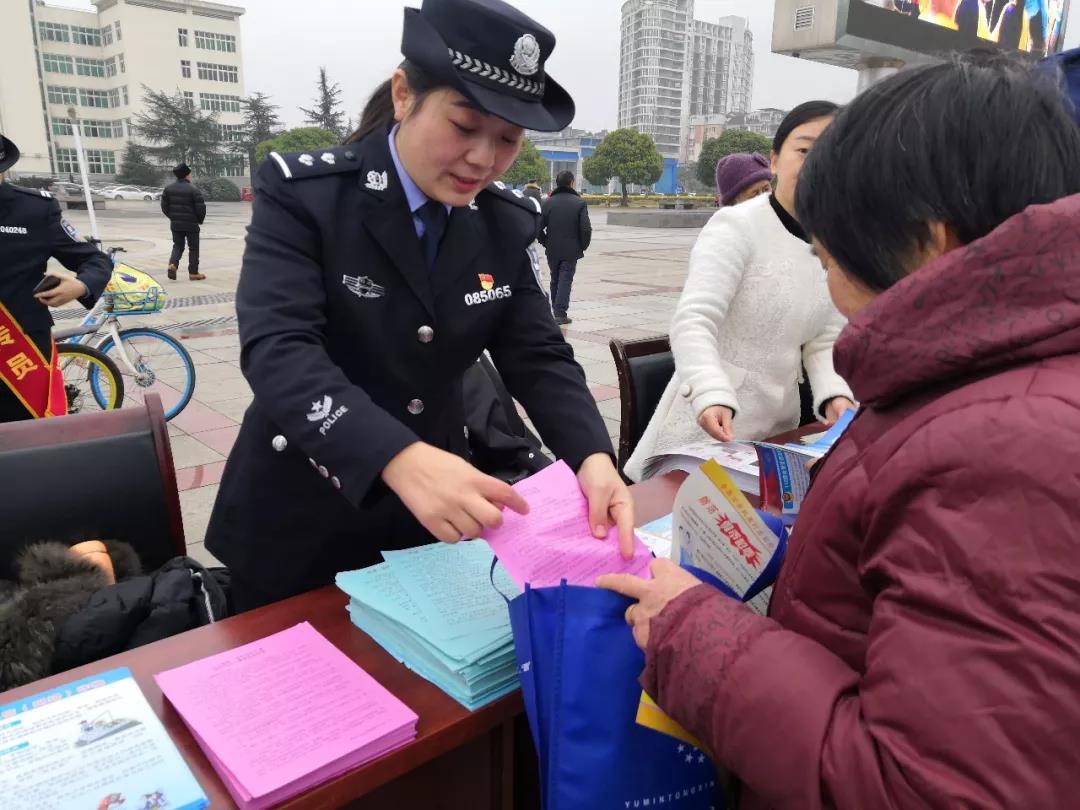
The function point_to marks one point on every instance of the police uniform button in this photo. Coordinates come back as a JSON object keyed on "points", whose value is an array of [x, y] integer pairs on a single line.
{"points": [[350, 155], [335, 482], [425, 334], [686, 390], [325, 473], [416, 407], [279, 443]]}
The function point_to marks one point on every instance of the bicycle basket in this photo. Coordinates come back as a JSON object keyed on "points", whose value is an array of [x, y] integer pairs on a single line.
{"points": [[132, 292]]}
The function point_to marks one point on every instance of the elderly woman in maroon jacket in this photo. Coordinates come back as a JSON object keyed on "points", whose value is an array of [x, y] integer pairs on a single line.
{"points": [[923, 645]]}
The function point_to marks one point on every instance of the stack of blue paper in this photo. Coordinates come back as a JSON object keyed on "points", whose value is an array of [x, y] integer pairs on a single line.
{"points": [[435, 610]]}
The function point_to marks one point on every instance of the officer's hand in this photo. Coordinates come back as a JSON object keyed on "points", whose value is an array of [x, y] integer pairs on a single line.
{"points": [[451, 498], [609, 500], [68, 290]]}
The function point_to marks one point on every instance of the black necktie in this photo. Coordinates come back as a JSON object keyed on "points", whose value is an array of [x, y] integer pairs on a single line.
{"points": [[434, 216]]}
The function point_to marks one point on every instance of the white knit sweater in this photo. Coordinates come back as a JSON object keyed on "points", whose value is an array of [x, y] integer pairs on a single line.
{"points": [[754, 297]]}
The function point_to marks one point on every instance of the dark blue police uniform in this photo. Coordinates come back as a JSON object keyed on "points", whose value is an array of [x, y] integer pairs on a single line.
{"points": [[355, 350], [32, 230], [355, 347]]}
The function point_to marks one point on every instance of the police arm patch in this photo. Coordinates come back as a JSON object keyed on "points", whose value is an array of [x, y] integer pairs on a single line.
{"points": [[69, 229]]}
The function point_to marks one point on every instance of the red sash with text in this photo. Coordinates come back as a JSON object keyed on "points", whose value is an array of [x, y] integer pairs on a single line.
{"points": [[36, 382]]}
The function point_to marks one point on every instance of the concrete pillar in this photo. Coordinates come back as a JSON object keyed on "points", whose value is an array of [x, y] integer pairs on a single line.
{"points": [[873, 71]]}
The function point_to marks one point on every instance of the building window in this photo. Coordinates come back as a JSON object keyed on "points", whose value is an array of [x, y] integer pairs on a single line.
{"points": [[94, 98], [185, 68], [62, 126], [85, 36], [54, 63], [181, 37], [119, 36], [67, 161], [231, 132], [106, 35], [120, 58], [124, 91], [218, 73], [210, 41], [54, 32], [100, 161], [63, 95], [90, 67], [101, 129], [110, 66], [189, 97], [219, 103]]}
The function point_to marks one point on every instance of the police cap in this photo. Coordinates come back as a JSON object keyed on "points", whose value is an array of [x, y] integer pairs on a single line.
{"points": [[9, 154], [493, 55]]}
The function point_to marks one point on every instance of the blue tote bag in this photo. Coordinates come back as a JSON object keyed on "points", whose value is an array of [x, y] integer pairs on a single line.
{"points": [[600, 741]]}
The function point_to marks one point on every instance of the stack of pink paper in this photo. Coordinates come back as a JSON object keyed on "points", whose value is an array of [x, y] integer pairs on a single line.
{"points": [[281, 715]]}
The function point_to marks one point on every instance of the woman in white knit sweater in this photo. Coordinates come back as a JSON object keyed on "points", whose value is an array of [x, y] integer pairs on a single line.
{"points": [[755, 309]]}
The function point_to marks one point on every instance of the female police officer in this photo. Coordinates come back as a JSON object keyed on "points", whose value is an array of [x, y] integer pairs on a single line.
{"points": [[374, 275]]}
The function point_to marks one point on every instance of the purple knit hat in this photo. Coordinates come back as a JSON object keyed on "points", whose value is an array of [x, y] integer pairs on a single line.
{"points": [[736, 173]]}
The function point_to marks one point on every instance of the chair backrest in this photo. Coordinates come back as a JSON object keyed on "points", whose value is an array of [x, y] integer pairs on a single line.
{"points": [[106, 476], [645, 368]]}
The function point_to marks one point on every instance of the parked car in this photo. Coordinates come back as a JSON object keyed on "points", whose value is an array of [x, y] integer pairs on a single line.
{"points": [[129, 193]]}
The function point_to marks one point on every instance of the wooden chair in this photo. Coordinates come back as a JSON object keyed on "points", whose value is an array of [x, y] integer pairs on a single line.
{"points": [[645, 368], [107, 476]]}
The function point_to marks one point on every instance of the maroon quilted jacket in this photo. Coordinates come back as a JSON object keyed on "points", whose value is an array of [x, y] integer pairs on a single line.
{"points": [[923, 648]]}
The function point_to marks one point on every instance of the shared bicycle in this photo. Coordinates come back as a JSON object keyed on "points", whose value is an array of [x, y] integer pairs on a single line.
{"points": [[103, 364]]}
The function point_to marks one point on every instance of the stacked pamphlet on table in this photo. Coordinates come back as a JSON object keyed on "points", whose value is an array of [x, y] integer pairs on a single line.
{"points": [[739, 459], [441, 611], [284, 714], [94, 742]]}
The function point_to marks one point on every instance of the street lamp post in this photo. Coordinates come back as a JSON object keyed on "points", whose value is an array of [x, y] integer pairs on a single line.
{"points": [[82, 171]]}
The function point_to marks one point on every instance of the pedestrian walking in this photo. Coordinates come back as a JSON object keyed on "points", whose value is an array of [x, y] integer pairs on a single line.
{"points": [[185, 207], [565, 232]]}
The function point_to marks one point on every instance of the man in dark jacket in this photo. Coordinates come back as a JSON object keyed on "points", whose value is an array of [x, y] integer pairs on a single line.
{"points": [[565, 231], [532, 189], [185, 207]]}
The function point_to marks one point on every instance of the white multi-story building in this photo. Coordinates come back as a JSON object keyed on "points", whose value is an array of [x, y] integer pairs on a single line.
{"points": [[97, 62], [673, 67]]}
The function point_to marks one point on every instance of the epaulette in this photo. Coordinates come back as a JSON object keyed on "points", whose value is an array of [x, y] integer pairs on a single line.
{"points": [[33, 192], [317, 162], [513, 195]]}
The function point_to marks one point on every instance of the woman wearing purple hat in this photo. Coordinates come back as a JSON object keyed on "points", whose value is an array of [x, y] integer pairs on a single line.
{"points": [[755, 310], [742, 176]]}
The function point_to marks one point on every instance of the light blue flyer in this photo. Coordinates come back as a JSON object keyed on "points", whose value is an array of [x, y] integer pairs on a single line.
{"points": [[93, 743]]}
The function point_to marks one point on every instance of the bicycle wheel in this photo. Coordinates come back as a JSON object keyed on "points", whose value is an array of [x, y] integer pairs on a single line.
{"points": [[161, 364], [91, 380]]}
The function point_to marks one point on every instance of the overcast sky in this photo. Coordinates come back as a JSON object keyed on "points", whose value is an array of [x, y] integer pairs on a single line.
{"points": [[285, 41]]}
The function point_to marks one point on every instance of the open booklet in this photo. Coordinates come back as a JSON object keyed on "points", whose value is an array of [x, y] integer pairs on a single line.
{"points": [[785, 468]]}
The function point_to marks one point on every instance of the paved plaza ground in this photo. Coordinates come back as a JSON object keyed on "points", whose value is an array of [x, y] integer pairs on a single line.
{"points": [[626, 287]]}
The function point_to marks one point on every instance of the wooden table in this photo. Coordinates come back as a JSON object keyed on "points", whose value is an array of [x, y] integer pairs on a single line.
{"points": [[459, 758]]}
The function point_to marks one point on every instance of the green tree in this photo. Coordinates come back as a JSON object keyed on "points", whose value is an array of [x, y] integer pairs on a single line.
{"points": [[136, 169], [178, 132], [529, 165], [301, 139], [326, 112], [730, 142], [689, 180], [628, 155], [261, 123]]}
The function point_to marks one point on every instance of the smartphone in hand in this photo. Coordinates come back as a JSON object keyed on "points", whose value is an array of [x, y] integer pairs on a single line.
{"points": [[47, 283]]}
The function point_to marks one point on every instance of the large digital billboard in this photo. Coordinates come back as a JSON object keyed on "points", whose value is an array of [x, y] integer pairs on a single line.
{"points": [[1033, 26]]}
